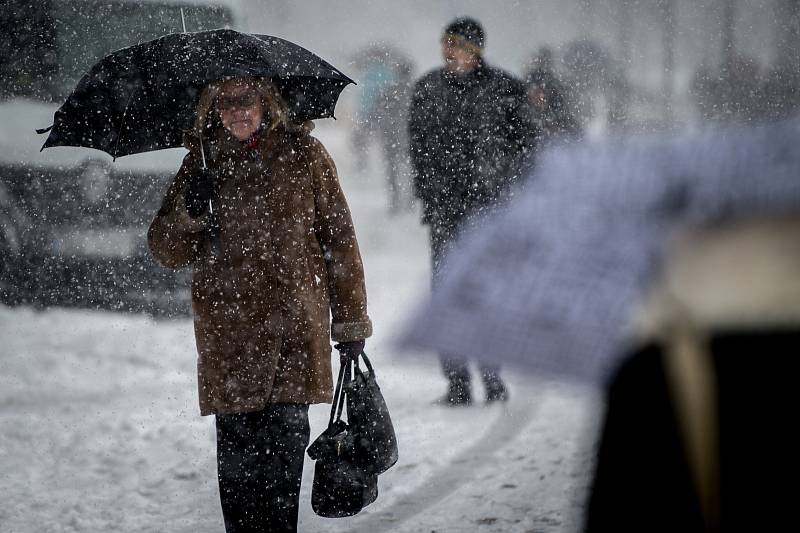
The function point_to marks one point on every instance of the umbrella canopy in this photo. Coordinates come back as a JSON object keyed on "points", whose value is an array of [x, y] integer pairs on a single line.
{"points": [[143, 97], [551, 283]]}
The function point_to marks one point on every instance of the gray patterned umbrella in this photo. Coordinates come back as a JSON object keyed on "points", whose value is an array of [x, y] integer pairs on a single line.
{"points": [[550, 283]]}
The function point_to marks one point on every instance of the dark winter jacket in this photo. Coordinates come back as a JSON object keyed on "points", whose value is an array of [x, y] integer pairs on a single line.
{"points": [[288, 260], [468, 134], [699, 430], [643, 481]]}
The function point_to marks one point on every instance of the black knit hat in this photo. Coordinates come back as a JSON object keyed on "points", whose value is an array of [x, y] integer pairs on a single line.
{"points": [[468, 29]]}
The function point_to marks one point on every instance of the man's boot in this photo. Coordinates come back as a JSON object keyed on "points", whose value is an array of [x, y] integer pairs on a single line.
{"points": [[459, 391], [496, 390], [458, 394]]}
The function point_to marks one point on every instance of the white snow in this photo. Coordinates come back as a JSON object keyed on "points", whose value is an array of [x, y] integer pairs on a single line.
{"points": [[100, 430]]}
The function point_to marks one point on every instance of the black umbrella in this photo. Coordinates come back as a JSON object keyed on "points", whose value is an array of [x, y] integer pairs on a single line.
{"points": [[144, 97]]}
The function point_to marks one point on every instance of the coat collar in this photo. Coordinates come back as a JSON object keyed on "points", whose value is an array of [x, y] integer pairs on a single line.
{"points": [[222, 145]]}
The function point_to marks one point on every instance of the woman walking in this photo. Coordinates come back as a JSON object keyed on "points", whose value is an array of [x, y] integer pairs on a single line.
{"points": [[257, 211]]}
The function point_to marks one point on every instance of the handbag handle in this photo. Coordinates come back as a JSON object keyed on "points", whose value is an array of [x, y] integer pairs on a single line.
{"points": [[338, 397], [363, 355], [346, 367]]}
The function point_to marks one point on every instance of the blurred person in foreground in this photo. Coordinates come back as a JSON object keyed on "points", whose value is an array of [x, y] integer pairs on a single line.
{"points": [[268, 234], [697, 434], [700, 231], [469, 131]]}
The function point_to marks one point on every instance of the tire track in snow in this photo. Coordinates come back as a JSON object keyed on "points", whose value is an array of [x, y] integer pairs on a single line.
{"points": [[459, 471], [66, 399]]}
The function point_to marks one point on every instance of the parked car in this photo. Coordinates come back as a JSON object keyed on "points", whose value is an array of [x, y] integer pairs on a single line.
{"points": [[72, 222]]}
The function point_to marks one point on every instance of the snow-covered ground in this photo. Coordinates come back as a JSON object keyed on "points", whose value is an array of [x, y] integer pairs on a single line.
{"points": [[100, 430]]}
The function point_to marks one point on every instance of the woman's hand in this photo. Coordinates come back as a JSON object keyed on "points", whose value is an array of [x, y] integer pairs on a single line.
{"points": [[351, 349], [199, 192]]}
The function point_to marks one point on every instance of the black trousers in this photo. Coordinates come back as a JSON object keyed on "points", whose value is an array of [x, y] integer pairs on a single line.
{"points": [[260, 466], [454, 366]]}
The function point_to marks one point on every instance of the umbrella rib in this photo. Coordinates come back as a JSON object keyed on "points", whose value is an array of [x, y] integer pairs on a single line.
{"points": [[122, 122]]}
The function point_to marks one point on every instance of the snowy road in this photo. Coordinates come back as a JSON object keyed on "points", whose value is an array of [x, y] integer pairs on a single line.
{"points": [[100, 432]]}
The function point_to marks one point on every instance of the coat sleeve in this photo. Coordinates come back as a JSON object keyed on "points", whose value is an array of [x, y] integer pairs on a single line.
{"points": [[336, 235], [174, 237]]}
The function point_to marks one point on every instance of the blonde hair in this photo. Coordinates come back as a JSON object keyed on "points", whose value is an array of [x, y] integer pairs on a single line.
{"points": [[274, 107]]}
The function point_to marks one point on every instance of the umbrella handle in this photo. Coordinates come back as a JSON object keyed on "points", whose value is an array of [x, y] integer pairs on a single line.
{"points": [[203, 156]]}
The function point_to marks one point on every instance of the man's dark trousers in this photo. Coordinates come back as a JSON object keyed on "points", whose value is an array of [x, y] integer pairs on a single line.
{"points": [[455, 367]]}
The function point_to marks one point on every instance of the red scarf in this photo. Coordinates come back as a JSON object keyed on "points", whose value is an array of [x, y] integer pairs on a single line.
{"points": [[252, 142]]}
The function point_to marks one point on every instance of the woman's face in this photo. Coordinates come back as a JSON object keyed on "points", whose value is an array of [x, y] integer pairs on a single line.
{"points": [[239, 108]]}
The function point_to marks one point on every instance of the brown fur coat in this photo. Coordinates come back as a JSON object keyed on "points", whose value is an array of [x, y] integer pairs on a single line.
{"points": [[289, 262]]}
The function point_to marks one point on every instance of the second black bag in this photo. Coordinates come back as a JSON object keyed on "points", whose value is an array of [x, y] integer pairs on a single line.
{"points": [[342, 486]]}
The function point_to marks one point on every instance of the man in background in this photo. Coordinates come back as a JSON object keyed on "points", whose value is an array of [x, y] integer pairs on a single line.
{"points": [[469, 132]]}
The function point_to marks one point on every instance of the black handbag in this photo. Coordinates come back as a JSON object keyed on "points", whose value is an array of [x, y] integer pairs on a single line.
{"points": [[343, 482], [369, 418]]}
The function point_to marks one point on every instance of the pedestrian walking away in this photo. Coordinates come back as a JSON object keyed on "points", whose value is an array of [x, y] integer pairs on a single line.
{"points": [[469, 131], [268, 233]]}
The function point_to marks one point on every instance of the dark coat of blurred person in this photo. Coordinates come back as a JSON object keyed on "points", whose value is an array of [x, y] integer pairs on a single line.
{"points": [[469, 131], [780, 92], [592, 75], [698, 435], [272, 259], [731, 94], [550, 110]]}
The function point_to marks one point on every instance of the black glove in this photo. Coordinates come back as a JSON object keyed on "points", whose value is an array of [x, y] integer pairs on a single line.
{"points": [[199, 192], [350, 350]]}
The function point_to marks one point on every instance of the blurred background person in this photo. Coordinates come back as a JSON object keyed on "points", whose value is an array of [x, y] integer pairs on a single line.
{"points": [[732, 93], [599, 93], [550, 110], [392, 119], [384, 95], [374, 72]]}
